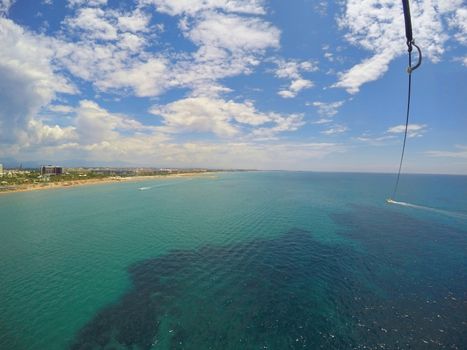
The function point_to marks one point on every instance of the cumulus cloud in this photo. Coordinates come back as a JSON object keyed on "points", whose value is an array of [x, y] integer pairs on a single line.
{"points": [[233, 33], [46, 135], [29, 79], [5, 6], [223, 118], [413, 130], [98, 135], [97, 23], [60, 108], [94, 23], [146, 78], [109, 50], [327, 109], [95, 124], [370, 69], [193, 7], [459, 21], [378, 27], [135, 22], [293, 70], [116, 50], [463, 60], [228, 45], [281, 124], [79, 3]]}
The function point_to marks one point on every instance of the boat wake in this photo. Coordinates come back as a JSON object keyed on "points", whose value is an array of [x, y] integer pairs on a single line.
{"points": [[163, 185], [434, 210]]}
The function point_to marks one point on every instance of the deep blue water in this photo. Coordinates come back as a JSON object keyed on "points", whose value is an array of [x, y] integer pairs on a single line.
{"points": [[260, 260]]}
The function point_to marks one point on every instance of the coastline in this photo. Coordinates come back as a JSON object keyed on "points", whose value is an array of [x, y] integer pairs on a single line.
{"points": [[107, 180]]}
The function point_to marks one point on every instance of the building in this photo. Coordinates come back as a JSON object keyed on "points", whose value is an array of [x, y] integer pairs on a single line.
{"points": [[51, 170], [1, 170]]}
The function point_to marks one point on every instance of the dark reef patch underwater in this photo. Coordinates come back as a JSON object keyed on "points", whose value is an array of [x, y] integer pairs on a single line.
{"points": [[401, 285]]}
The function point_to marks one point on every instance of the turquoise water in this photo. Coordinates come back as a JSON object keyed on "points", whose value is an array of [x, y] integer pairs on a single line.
{"points": [[276, 260]]}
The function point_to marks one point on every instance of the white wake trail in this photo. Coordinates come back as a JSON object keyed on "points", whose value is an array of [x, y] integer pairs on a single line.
{"points": [[434, 210]]}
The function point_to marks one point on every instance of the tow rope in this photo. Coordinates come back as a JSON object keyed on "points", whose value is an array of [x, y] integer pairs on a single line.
{"points": [[410, 44]]}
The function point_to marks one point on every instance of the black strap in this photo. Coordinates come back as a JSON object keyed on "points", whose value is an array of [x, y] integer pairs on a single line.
{"points": [[408, 24]]}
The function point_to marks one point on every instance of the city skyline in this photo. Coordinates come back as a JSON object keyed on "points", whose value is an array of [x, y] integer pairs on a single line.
{"points": [[306, 85]]}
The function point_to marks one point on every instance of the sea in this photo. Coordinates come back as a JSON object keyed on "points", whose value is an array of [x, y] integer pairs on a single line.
{"points": [[237, 260]]}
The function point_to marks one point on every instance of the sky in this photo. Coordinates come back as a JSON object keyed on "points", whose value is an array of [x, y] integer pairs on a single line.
{"points": [[292, 85]]}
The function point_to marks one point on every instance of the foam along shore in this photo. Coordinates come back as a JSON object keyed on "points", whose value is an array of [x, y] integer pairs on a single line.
{"points": [[101, 181]]}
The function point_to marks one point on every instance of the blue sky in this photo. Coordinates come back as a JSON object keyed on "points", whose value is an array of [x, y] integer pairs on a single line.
{"points": [[297, 85]]}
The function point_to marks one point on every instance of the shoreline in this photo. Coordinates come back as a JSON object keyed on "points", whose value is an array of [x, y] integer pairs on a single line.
{"points": [[104, 181]]}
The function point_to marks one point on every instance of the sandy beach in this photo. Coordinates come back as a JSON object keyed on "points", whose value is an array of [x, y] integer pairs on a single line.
{"points": [[107, 180]]}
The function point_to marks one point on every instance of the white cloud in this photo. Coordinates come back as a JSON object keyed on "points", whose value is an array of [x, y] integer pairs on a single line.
{"points": [[193, 7], [286, 93], [146, 78], [91, 127], [87, 2], [322, 121], [97, 62], [327, 109], [413, 130], [95, 124], [336, 129], [234, 33], [288, 123], [292, 70], [135, 22], [463, 60], [115, 50], [29, 80], [94, 133], [375, 141], [198, 115], [300, 84], [370, 69], [223, 118], [95, 24], [111, 52], [228, 45], [130, 43], [60, 108], [5, 6], [46, 135], [459, 21], [378, 27], [98, 135], [460, 153]]}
